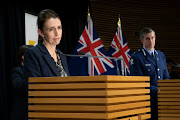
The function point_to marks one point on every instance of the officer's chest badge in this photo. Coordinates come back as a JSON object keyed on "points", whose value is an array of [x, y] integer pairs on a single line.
{"points": [[147, 64], [131, 61]]}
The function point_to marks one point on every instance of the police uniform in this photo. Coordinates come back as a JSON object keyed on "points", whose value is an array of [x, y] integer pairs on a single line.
{"points": [[143, 64]]}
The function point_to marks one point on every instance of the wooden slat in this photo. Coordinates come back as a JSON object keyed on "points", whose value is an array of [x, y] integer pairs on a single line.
{"points": [[169, 81], [145, 116], [67, 115], [89, 93], [128, 112], [69, 86], [102, 78], [68, 93], [169, 96], [68, 100], [168, 92], [129, 118], [139, 117], [66, 108], [128, 78], [169, 88], [128, 99], [169, 107], [169, 99], [127, 106], [88, 107], [67, 79], [169, 115], [169, 111], [127, 92], [88, 85], [88, 100], [127, 85], [168, 118], [168, 103], [168, 85]]}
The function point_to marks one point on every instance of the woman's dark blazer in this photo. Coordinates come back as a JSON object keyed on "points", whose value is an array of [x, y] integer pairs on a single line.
{"points": [[39, 63]]}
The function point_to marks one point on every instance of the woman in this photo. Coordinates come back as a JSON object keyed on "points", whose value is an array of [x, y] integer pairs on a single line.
{"points": [[45, 60]]}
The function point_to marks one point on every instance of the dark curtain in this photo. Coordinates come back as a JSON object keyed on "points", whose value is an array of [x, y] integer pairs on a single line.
{"points": [[12, 35], [73, 23]]}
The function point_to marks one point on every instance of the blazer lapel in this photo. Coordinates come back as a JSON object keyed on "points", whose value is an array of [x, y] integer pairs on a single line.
{"points": [[51, 64], [49, 60]]}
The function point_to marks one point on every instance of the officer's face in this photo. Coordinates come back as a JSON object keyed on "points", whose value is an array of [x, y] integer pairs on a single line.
{"points": [[149, 40]]}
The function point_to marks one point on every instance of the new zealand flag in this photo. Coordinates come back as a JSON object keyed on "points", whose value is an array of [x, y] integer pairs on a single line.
{"points": [[119, 49], [90, 43]]}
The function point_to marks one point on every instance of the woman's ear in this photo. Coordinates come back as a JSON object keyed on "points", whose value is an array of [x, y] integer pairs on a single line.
{"points": [[40, 33], [22, 63]]}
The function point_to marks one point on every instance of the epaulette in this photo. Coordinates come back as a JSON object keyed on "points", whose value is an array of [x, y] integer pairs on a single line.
{"points": [[156, 52], [143, 52], [136, 51]]}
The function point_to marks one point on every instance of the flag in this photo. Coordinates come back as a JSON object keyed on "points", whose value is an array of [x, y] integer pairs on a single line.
{"points": [[119, 49], [90, 43]]}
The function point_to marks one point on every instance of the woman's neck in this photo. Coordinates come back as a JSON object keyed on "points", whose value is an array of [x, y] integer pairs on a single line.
{"points": [[51, 49]]}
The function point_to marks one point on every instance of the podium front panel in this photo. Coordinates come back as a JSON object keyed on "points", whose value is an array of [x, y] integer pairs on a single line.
{"points": [[89, 97]]}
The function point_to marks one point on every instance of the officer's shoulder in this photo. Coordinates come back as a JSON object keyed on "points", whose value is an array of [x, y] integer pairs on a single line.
{"points": [[137, 53], [159, 52]]}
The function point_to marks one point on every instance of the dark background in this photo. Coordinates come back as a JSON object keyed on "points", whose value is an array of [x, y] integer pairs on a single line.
{"points": [[162, 16]]}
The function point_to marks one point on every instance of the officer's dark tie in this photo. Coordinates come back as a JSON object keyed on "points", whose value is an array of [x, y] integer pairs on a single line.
{"points": [[152, 55]]}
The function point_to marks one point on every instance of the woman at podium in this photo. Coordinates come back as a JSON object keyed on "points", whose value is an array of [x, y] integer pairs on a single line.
{"points": [[45, 60]]}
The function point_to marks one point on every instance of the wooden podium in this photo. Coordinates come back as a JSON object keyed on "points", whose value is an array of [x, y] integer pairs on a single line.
{"points": [[169, 99], [89, 98]]}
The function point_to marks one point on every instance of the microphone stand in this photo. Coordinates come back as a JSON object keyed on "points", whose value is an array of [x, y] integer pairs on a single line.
{"points": [[83, 54]]}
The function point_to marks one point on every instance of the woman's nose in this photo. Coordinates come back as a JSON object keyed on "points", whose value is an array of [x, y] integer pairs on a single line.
{"points": [[56, 32]]}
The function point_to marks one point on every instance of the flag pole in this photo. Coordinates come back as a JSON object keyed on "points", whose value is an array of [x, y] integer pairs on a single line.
{"points": [[88, 14], [122, 61], [119, 22]]}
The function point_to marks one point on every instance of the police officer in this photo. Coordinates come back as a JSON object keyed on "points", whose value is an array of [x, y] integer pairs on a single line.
{"points": [[149, 62]]}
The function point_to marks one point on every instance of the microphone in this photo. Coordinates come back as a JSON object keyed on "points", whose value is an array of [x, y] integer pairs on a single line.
{"points": [[83, 54], [115, 59], [71, 55]]}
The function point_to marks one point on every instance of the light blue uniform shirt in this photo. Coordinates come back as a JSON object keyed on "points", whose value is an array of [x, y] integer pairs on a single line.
{"points": [[150, 52]]}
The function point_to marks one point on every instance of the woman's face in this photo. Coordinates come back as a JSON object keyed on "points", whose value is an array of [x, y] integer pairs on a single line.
{"points": [[52, 31]]}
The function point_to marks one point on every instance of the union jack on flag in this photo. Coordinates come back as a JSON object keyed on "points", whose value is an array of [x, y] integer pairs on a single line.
{"points": [[119, 49], [92, 45]]}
